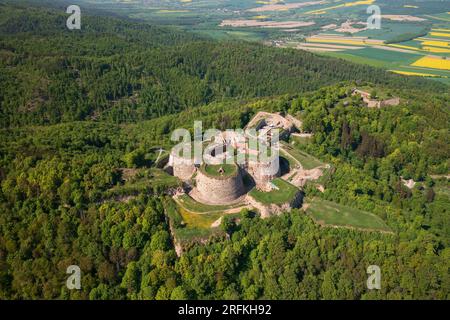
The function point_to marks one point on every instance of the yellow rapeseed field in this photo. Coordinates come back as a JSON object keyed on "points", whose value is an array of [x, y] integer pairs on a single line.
{"points": [[347, 4], [440, 34], [443, 30], [338, 41], [418, 74], [436, 50], [433, 63], [436, 44], [404, 47]]}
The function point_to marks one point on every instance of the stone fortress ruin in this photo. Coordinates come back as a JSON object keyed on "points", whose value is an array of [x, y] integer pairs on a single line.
{"points": [[223, 188], [229, 159], [233, 163], [372, 102]]}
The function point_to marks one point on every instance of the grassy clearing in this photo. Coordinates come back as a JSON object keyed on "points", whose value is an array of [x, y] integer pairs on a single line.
{"points": [[220, 171], [191, 227], [193, 206], [386, 56], [188, 226], [332, 214], [415, 74], [301, 141], [443, 191], [194, 220], [308, 162], [285, 194], [146, 181]]}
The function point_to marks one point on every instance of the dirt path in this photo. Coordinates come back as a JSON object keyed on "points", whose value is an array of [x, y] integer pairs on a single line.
{"points": [[217, 223], [291, 156]]}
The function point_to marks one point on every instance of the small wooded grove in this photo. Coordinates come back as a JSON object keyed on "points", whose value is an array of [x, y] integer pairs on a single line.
{"points": [[55, 178]]}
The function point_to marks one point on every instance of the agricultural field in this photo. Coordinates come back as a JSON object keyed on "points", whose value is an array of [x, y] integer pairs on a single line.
{"points": [[331, 214], [410, 30]]}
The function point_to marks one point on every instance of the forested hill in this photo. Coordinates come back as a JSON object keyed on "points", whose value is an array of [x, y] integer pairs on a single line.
{"points": [[119, 70], [58, 207]]}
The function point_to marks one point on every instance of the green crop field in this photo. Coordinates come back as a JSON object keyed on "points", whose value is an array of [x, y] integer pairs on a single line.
{"points": [[194, 220], [285, 194], [187, 225], [332, 214], [389, 58], [205, 19]]}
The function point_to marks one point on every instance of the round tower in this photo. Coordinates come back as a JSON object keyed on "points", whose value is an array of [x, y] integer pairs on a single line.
{"points": [[220, 184], [182, 162], [264, 170]]}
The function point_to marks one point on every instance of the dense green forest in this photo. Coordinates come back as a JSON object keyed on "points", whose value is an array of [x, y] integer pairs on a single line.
{"points": [[55, 178], [78, 107], [122, 71]]}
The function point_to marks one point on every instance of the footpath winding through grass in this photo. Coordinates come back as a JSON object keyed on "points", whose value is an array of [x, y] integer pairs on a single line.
{"points": [[307, 161], [332, 214], [196, 207]]}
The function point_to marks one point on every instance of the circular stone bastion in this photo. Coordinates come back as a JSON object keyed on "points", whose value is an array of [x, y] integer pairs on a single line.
{"points": [[220, 184]]}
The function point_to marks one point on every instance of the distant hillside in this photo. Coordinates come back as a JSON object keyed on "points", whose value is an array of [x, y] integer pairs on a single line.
{"points": [[118, 70]]}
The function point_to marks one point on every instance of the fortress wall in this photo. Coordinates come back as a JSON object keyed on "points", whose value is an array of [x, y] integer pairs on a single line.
{"points": [[183, 172], [390, 102], [182, 168], [269, 210], [262, 172], [220, 190]]}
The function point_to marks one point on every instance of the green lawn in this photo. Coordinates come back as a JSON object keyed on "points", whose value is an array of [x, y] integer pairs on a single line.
{"points": [[214, 170], [308, 162], [146, 181], [190, 226], [333, 214], [193, 206], [194, 220], [285, 194], [301, 141]]}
